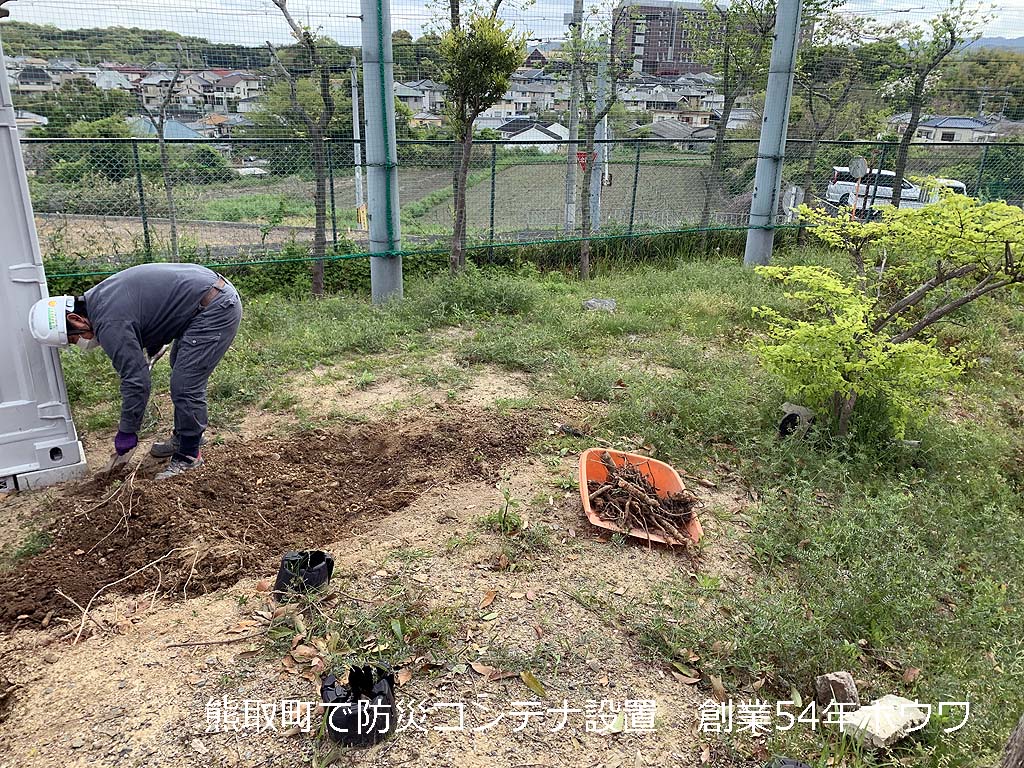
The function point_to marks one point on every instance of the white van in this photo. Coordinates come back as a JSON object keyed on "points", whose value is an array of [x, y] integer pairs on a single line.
{"points": [[842, 188]]}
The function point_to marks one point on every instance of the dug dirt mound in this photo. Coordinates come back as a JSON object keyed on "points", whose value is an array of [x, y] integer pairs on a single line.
{"points": [[249, 503]]}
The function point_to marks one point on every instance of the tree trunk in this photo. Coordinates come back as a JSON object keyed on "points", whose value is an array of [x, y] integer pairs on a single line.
{"points": [[1013, 755], [457, 260], [917, 101], [319, 152], [812, 158], [585, 222], [172, 216], [844, 410], [713, 183]]}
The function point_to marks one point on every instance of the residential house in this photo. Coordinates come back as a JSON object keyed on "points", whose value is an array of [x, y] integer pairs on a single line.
{"points": [[154, 87], [232, 88], [429, 120], [683, 135], [66, 70], [133, 75], [536, 58], [173, 129], [26, 121], [954, 129], [110, 80], [250, 104], [218, 125], [531, 134], [503, 110], [739, 118], [33, 79], [413, 98], [199, 87], [421, 95], [531, 96]]}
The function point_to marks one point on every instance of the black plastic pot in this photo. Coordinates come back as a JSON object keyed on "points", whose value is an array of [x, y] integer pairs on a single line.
{"points": [[361, 713], [303, 571]]}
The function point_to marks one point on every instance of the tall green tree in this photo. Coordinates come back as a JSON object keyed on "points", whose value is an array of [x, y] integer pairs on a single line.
{"points": [[478, 56]]}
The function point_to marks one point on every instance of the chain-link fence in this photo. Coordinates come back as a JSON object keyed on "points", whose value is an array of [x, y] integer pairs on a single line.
{"points": [[108, 202]]}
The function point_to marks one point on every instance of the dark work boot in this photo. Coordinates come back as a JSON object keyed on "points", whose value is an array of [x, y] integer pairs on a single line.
{"points": [[164, 449]]}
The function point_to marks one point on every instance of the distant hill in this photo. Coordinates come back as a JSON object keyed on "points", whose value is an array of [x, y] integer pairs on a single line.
{"points": [[1013, 44], [127, 45]]}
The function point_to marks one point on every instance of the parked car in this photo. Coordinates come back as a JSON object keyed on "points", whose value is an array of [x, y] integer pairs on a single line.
{"points": [[842, 188]]}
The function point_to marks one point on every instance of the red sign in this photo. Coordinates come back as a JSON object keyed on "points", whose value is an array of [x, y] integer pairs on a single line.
{"points": [[581, 158]]}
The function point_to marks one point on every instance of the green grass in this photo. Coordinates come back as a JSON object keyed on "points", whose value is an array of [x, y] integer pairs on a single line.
{"points": [[871, 557], [258, 207]]}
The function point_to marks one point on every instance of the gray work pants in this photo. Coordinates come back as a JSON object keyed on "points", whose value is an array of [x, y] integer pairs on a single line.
{"points": [[193, 358]]}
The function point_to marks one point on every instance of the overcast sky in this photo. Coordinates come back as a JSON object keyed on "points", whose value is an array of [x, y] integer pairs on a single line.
{"points": [[251, 22]]}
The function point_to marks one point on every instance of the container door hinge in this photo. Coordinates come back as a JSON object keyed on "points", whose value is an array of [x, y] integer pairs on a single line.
{"points": [[54, 410], [27, 273]]}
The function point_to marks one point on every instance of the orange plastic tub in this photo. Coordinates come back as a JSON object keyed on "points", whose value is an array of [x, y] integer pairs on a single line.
{"points": [[664, 478]]}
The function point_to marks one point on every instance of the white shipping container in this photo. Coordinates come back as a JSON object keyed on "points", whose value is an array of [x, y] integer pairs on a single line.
{"points": [[38, 442]]}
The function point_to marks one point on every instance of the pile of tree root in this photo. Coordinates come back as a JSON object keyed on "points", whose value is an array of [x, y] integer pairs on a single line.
{"points": [[629, 498]]}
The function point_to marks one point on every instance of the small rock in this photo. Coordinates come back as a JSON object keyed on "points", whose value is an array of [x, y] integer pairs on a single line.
{"points": [[199, 747], [835, 686], [78, 742], [51, 657], [600, 305], [884, 722]]}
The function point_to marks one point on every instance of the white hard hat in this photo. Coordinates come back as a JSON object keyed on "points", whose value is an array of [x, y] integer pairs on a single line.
{"points": [[48, 320]]}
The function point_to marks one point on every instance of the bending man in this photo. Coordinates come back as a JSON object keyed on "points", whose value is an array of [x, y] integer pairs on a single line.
{"points": [[132, 315]]}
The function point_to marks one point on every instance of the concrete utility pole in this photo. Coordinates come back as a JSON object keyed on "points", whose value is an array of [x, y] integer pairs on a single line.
{"points": [[357, 147], [600, 134], [38, 442], [771, 148], [381, 151], [575, 85]]}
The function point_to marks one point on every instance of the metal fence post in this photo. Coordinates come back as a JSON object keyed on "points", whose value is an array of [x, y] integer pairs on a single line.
{"points": [[330, 176], [878, 175], [981, 172], [494, 179], [147, 244], [636, 181]]}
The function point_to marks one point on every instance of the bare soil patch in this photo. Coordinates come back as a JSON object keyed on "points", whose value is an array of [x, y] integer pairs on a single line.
{"points": [[252, 501]]}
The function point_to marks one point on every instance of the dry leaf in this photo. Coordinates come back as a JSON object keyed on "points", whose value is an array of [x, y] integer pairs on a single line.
{"points": [[538, 631], [420, 577], [482, 669], [533, 684], [488, 598], [199, 747], [264, 585], [531, 595], [304, 652], [620, 591], [718, 689], [403, 676], [911, 674], [618, 725], [705, 754], [684, 679]]}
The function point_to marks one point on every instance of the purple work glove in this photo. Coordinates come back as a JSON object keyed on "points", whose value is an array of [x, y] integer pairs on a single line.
{"points": [[124, 442]]}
